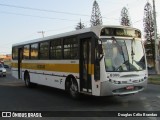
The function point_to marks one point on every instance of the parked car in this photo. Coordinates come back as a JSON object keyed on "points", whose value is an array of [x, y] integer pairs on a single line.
{"points": [[2, 70], [6, 66]]}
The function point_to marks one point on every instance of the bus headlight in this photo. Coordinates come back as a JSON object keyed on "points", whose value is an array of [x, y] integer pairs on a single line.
{"points": [[114, 81], [4, 70]]}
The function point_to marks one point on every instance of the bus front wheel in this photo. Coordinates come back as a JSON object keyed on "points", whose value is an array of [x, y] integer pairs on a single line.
{"points": [[72, 88]]}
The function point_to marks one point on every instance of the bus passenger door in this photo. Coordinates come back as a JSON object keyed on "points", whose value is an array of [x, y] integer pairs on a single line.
{"points": [[20, 54], [85, 65]]}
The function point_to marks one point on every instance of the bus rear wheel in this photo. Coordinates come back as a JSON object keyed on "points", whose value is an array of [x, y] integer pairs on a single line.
{"points": [[72, 88], [27, 81]]}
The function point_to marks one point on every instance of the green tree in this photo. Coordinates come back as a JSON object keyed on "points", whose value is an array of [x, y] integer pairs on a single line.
{"points": [[149, 33], [96, 18], [125, 21], [80, 25]]}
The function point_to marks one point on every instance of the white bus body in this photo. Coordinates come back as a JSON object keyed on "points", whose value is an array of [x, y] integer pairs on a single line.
{"points": [[80, 66]]}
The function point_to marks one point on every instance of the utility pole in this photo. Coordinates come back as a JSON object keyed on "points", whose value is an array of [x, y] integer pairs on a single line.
{"points": [[155, 37], [42, 32]]}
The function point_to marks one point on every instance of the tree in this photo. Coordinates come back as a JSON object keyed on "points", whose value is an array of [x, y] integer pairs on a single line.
{"points": [[149, 33], [96, 18], [80, 25], [125, 21]]}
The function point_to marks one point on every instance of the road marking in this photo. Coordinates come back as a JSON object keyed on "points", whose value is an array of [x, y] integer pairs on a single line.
{"points": [[143, 98], [125, 103], [12, 84], [147, 106], [158, 96]]}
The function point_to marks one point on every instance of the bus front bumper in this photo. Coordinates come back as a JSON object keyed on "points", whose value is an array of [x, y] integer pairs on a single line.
{"points": [[111, 89]]}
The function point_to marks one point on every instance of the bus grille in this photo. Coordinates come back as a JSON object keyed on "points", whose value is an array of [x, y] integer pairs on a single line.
{"points": [[122, 90]]}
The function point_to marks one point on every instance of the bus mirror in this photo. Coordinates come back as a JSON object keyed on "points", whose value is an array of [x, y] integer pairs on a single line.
{"points": [[100, 50]]}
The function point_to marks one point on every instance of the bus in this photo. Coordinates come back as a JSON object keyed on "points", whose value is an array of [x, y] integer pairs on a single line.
{"points": [[99, 61]]}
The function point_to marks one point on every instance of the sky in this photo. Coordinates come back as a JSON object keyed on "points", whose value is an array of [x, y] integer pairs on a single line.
{"points": [[19, 24]]}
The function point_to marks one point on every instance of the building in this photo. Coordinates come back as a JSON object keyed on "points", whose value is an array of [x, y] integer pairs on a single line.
{"points": [[7, 57]]}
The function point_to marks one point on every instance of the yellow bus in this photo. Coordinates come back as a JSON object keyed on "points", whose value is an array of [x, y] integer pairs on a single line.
{"points": [[98, 61]]}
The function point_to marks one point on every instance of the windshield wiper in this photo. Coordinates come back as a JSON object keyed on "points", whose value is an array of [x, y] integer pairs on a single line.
{"points": [[119, 46]]}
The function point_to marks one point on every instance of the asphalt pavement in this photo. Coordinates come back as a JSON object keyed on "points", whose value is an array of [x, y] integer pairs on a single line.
{"points": [[14, 96]]}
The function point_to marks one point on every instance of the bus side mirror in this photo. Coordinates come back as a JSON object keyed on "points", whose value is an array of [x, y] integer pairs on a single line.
{"points": [[100, 49], [100, 52]]}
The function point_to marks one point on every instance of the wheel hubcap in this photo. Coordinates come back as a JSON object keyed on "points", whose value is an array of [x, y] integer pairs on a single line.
{"points": [[27, 81], [73, 89]]}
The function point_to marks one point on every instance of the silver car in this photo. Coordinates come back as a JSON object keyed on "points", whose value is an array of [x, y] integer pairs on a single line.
{"points": [[2, 70]]}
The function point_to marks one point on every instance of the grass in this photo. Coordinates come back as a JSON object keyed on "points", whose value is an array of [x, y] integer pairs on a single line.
{"points": [[154, 79]]}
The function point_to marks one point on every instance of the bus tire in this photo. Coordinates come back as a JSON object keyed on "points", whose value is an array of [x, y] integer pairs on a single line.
{"points": [[72, 88], [4, 75], [28, 84]]}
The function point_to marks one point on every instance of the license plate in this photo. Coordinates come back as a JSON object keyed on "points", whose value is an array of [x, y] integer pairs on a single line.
{"points": [[130, 87]]}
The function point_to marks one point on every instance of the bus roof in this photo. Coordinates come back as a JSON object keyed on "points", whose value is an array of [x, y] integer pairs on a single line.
{"points": [[95, 29]]}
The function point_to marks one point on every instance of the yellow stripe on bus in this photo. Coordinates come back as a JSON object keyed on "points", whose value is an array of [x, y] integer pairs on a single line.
{"points": [[71, 68]]}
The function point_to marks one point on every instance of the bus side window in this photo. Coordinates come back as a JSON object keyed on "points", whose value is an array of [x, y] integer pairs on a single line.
{"points": [[67, 48], [70, 48], [44, 50], [15, 53], [26, 51], [56, 49], [34, 51], [74, 49]]}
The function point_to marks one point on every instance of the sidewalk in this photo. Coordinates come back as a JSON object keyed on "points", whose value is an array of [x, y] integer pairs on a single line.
{"points": [[154, 79], [151, 71]]}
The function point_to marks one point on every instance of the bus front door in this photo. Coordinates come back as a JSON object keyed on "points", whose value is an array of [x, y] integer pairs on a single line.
{"points": [[85, 65], [20, 54]]}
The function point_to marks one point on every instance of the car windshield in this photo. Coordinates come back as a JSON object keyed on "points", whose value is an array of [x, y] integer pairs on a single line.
{"points": [[123, 55], [1, 66]]}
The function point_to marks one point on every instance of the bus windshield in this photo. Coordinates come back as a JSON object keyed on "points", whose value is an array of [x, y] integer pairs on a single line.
{"points": [[123, 55]]}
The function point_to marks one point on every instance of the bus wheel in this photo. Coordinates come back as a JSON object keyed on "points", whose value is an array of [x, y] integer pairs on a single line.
{"points": [[73, 88], [27, 80]]}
